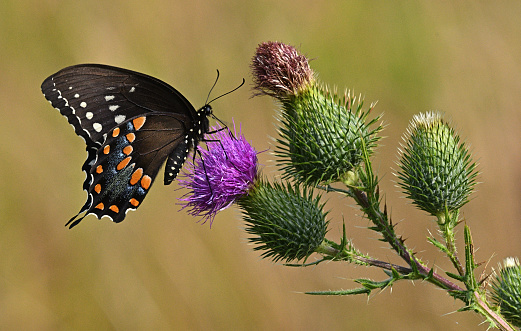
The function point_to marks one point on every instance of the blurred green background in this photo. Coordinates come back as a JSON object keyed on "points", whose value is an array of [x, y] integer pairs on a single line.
{"points": [[160, 269]]}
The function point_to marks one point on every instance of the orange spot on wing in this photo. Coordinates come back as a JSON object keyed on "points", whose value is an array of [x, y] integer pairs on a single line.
{"points": [[128, 149], [114, 208], [138, 122], [146, 181], [136, 176], [106, 149], [97, 188], [134, 202], [115, 132], [100, 206], [99, 169], [123, 163], [131, 137]]}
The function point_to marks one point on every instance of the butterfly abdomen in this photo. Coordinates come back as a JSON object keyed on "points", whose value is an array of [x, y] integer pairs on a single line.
{"points": [[176, 160]]}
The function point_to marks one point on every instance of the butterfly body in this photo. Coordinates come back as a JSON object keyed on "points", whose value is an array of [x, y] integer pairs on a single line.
{"points": [[131, 123]]}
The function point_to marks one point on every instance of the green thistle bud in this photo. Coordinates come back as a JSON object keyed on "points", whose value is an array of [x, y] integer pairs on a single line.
{"points": [[321, 137], [286, 223], [507, 290], [437, 172]]}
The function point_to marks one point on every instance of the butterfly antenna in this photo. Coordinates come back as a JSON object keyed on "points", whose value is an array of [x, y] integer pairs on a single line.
{"points": [[222, 95], [215, 83]]}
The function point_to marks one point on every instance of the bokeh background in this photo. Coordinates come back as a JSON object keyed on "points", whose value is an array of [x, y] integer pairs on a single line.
{"points": [[160, 269]]}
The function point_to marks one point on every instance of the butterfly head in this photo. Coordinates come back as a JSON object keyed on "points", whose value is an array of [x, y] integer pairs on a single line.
{"points": [[206, 110]]}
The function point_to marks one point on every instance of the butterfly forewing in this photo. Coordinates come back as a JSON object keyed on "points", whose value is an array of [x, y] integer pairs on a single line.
{"points": [[131, 124], [96, 98]]}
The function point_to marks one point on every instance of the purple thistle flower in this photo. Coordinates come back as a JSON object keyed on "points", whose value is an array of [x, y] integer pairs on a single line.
{"points": [[225, 173], [280, 70]]}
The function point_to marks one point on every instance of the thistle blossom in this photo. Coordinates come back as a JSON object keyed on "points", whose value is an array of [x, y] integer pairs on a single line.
{"points": [[226, 171], [280, 70]]}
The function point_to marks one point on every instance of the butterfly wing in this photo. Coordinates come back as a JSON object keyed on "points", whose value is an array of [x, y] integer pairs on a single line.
{"points": [[128, 162], [151, 119], [96, 98]]}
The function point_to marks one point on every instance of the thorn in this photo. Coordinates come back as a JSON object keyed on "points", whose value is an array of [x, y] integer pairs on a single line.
{"points": [[484, 280]]}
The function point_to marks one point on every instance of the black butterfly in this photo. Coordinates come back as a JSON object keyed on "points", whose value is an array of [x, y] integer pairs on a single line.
{"points": [[131, 123]]}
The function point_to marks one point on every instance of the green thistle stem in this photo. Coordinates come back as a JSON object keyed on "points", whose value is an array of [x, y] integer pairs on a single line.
{"points": [[346, 255], [491, 315], [327, 249], [380, 220], [383, 226], [447, 222], [369, 202]]}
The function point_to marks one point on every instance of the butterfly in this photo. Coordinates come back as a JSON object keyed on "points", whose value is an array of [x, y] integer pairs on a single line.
{"points": [[131, 124]]}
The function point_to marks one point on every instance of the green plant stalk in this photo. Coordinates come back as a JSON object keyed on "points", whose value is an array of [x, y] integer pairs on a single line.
{"points": [[347, 255], [475, 298], [447, 222], [484, 309], [379, 218]]}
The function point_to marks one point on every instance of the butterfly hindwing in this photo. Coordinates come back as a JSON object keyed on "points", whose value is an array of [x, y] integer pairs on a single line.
{"points": [[128, 162]]}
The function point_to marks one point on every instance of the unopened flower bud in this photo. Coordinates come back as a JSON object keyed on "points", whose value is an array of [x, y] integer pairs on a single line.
{"points": [[284, 222], [436, 170], [506, 292]]}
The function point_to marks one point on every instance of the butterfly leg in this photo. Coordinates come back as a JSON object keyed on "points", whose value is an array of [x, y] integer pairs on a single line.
{"points": [[204, 167], [224, 127]]}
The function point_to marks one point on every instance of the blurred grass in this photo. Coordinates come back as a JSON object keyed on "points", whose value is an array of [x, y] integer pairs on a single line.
{"points": [[161, 270]]}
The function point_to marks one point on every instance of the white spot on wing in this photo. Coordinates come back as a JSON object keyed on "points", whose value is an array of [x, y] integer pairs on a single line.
{"points": [[132, 89], [109, 97], [119, 118], [97, 127], [76, 95], [113, 107], [83, 104], [89, 115]]}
